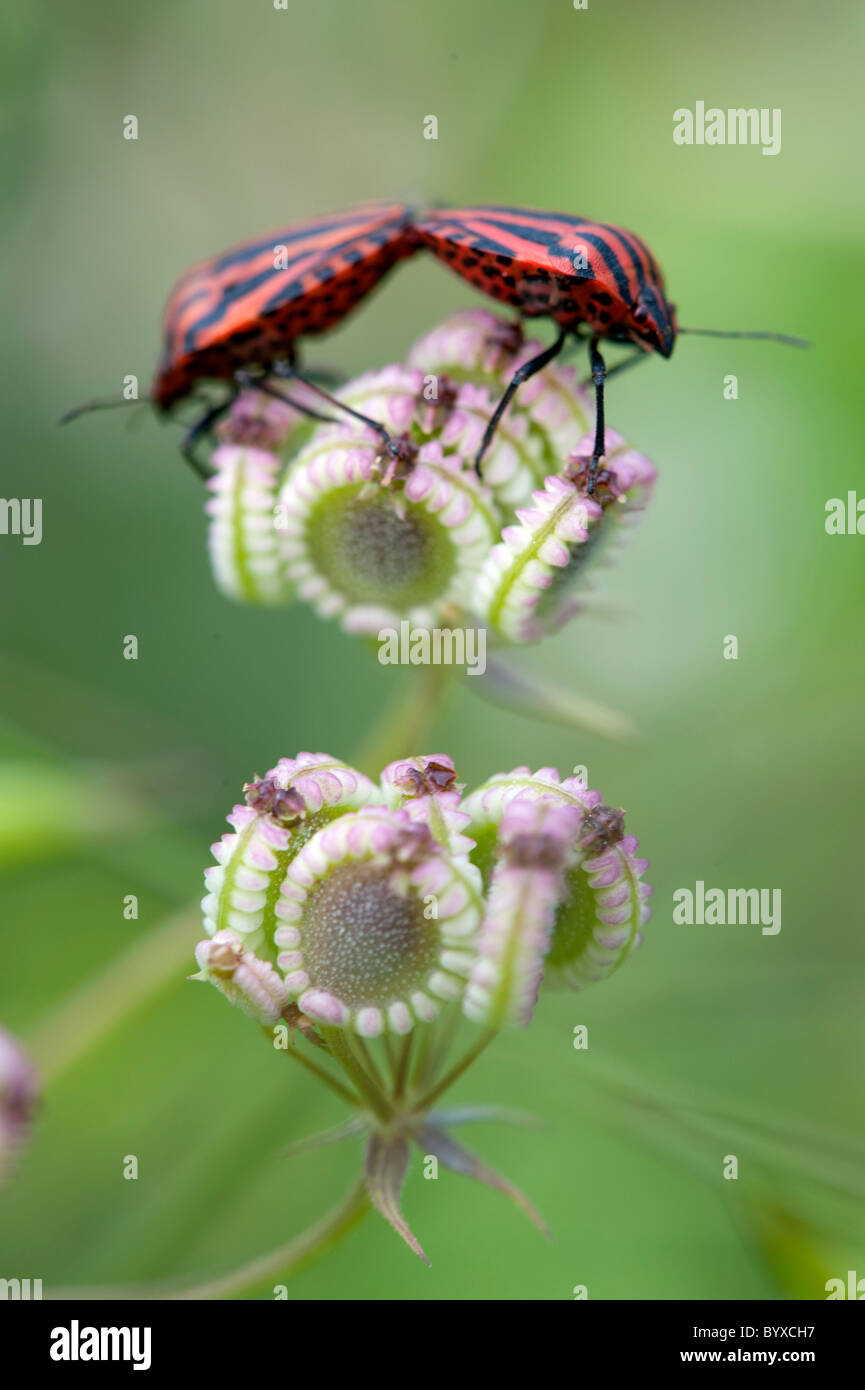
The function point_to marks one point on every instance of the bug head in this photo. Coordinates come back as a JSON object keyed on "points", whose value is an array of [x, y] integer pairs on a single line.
{"points": [[652, 321]]}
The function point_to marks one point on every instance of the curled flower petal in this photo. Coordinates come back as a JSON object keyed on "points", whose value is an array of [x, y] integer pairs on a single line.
{"points": [[537, 840], [479, 351], [488, 803], [242, 977], [242, 540], [602, 906], [526, 587], [243, 887], [455, 412], [431, 775], [428, 789], [260, 421], [601, 920]]}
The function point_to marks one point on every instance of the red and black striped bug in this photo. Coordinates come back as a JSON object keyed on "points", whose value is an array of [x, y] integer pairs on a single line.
{"points": [[238, 316], [592, 279]]}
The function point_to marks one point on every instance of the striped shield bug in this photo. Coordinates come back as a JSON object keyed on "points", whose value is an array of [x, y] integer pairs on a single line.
{"points": [[593, 280], [238, 316]]}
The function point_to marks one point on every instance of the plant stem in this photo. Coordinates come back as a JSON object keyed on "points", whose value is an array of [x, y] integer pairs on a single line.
{"points": [[277, 1266], [437, 1047], [423, 1052], [540, 698], [280, 1264], [318, 1070], [343, 1054], [404, 726], [390, 1054], [365, 1058], [402, 1067], [457, 1070]]}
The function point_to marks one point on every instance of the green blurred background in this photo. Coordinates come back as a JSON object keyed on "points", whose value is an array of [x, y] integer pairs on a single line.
{"points": [[116, 775]]}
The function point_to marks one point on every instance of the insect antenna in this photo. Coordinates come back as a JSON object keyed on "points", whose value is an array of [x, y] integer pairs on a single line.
{"points": [[770, 337], [106, 403]]}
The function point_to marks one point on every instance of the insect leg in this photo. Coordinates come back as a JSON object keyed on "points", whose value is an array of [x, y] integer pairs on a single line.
{"points": [[599, 376], [288, 373], [197, 432], [254, 383], [328, 376], [638, 356], [528, 369]]}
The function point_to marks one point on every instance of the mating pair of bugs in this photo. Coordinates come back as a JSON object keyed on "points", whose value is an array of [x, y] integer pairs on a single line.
{"points": [[237, 317]]}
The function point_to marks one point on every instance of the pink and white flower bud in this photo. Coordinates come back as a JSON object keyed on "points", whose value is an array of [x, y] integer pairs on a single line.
{"points": [[19, 1092], [531, 582], [537, 842], [245, 980], [370, 907], [602, 905], [242, 538]]}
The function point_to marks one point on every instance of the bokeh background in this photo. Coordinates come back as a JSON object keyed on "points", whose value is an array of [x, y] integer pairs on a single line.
{"points": [[116, 775]]}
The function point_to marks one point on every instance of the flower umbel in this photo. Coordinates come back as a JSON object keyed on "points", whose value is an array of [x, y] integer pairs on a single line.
{"points": [[371, 918], [318, 510]]}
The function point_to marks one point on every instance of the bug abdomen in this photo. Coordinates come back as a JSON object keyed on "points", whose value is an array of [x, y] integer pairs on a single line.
{"points": [[529, 287], [249, 305]]}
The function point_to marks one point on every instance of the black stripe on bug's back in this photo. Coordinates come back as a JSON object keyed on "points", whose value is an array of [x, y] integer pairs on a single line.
{"points": [[378, 262], [284, 292], [177, 305], [630, 245], [230, 294], [610, 260], [536, 236], [468, 237], [308, 232]]}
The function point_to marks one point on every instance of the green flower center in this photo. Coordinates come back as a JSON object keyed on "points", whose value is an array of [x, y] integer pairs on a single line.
{"points": [[574, 921], [364, 941], [372, 553]]}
